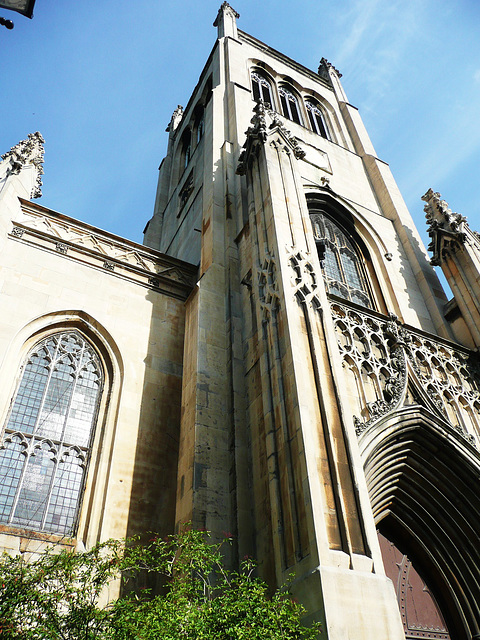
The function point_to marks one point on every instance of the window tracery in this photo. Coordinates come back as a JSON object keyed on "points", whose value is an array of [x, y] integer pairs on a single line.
{"points": [[46, 441], [377, 351], [289, 102], [342, 267], [316, 118], [262, 89]]}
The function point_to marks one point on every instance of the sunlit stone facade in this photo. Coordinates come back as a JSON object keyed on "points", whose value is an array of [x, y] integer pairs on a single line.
{"points": [[278, 361]]}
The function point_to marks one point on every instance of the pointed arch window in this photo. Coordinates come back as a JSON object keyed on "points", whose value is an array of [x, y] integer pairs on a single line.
{"points": [[186, 152], [341, 261], [262, 89], [46, 442], [200, 127], [290, 108], [316, 118]]}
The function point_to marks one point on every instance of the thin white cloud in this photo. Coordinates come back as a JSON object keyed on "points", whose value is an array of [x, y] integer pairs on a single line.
{"points": [[377, 36]]}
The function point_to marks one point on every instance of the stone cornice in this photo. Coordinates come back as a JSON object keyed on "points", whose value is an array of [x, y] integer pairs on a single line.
{"points": [[277, 55], [90, 246]]}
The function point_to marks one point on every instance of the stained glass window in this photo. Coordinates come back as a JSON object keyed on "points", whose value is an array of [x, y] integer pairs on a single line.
{"points": [[341, 262], [46, 442]]}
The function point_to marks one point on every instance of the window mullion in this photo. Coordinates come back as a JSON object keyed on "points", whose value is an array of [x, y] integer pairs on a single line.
{"points": [[30, 447], [61, 444], [47, 385], [27, 454]]}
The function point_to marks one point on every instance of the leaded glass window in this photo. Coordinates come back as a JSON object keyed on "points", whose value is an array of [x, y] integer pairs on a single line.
{"points": [[289, 105], [45, 444], [261, 89], [316, 117], [342, 265]]}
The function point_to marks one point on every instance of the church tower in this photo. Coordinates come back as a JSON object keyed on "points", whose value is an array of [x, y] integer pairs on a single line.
{"points": [[330, 401]]}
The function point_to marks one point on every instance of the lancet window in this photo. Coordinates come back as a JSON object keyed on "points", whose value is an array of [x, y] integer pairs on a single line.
{"points": [[289, 101], [316, 118], [46, 442], [262, 89], [340, 259]]}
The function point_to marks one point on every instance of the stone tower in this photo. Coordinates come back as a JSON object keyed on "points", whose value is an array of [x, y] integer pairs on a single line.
{"points": [[328, 391]]}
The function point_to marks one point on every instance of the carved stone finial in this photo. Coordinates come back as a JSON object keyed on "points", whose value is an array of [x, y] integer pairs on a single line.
{"points": [[259, 132], [177, 115], [226, 21], [28, 151], [324, 69], [325, 180], [448, 230], [298, 152]]}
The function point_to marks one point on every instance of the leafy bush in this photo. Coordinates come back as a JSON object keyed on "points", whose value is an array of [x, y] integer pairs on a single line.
{"points": [[56, 597]]}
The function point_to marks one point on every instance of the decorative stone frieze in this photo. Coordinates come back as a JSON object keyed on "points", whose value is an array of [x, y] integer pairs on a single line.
{"points": [[380, 356], [28, 151], [48, 230]]}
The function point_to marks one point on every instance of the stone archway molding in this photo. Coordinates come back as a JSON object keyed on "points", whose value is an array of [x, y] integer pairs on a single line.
{"points": [[423, 482]]}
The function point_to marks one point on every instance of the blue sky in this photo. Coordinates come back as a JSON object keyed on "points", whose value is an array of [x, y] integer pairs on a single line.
{"points": [[100, 80]]}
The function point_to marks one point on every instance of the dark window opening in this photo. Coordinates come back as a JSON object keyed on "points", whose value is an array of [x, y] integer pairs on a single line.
{"points": [[290, 107], [261, 89], [316, 118]]}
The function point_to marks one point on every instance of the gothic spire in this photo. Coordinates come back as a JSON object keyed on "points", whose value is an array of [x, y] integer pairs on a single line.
{"points": [[25, 152]]}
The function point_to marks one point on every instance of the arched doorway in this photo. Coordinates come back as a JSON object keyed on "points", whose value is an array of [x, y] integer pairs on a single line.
{"points": [[424, 485]]}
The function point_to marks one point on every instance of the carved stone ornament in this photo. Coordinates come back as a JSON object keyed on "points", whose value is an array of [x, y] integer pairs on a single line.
{"points": [[177, 115], [324, 68], [227, 8], [61, 248], [304, 279], [28, 151], [17, 232], [325, 180], [375, 354], [154, 282], [298, 152], [109, 266], [268, 287], [447, 230], [133, 261], [258, 132]]}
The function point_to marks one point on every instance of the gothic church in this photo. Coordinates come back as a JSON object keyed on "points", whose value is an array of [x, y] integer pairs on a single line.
{"points": [[277, 360]]}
